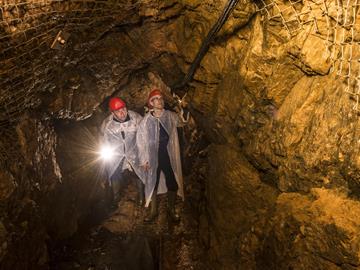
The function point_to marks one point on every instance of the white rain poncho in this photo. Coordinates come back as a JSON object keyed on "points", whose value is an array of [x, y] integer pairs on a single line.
{"points": [[148, 144], [124, 148]]}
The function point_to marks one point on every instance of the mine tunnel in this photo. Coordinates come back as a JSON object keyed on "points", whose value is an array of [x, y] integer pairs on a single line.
{"points": [[269, 150]]}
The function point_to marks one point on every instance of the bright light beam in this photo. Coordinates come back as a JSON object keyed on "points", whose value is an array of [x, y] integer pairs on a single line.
{"points": [[106, 152]]}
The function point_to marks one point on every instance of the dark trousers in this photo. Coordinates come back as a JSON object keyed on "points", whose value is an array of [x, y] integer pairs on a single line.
{"points": [[120, 179], [164, 165], [116, 181]]}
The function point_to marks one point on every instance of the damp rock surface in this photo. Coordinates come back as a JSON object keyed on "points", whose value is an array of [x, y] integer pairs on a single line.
{"points": [[275, 96]]}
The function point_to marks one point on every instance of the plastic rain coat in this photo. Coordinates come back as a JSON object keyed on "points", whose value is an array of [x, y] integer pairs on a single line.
{"points": [[148, 144], [125, 148]]}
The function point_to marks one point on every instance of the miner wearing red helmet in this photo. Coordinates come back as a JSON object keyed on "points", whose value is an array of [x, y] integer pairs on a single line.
{"points": [[154, 94], [118, 108], [119, 137], [159, 154]]}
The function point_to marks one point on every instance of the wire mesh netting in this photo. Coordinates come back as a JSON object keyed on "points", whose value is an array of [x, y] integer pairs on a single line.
{"points": [[29, 28], [335, 21], [27, 60]]}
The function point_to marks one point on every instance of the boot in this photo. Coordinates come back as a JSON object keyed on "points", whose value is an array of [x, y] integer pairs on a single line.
{"points": [[153, 211], [171, 207], [140, 197]]}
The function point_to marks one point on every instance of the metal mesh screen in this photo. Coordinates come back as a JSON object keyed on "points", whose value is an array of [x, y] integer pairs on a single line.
{"points": [[28, 63], [28, 29], [336, 22]]}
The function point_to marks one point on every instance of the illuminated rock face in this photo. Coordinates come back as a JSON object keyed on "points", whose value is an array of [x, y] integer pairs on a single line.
{"points": [[284, 136]]}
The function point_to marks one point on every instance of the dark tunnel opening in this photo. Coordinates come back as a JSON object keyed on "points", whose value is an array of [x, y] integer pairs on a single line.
{"points": [[119, 238]]}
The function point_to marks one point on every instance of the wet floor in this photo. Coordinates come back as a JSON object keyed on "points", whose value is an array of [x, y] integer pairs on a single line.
{"points": [[124, 241]]}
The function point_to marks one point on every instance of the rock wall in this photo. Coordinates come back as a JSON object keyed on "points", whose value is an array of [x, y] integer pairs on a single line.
{"points": [[272, 98], [25, 186], [43, 198], [239, 207], [312, 232], [282, 128]]}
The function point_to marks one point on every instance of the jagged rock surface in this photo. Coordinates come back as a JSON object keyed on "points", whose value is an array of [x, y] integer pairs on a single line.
{"points": [[284, 136]]}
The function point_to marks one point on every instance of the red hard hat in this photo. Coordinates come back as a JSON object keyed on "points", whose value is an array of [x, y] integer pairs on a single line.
{"points": [[116, 103], [153, 93]]}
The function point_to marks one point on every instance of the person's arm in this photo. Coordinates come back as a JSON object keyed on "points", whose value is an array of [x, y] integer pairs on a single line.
{"points": [[103, 138], [177, 120], [138, 118]]}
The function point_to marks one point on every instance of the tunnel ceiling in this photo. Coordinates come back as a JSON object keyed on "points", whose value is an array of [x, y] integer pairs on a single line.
{"points": [[35, 68], [104, 43], [32, 63], [37, 71], [28, 66]]}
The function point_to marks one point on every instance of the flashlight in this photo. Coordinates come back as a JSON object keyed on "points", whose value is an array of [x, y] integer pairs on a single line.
{"points": [[106, 152]]}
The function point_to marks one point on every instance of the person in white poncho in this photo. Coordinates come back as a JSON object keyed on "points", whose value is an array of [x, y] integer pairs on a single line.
{"points": [[119, 136], [159, 155]]}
